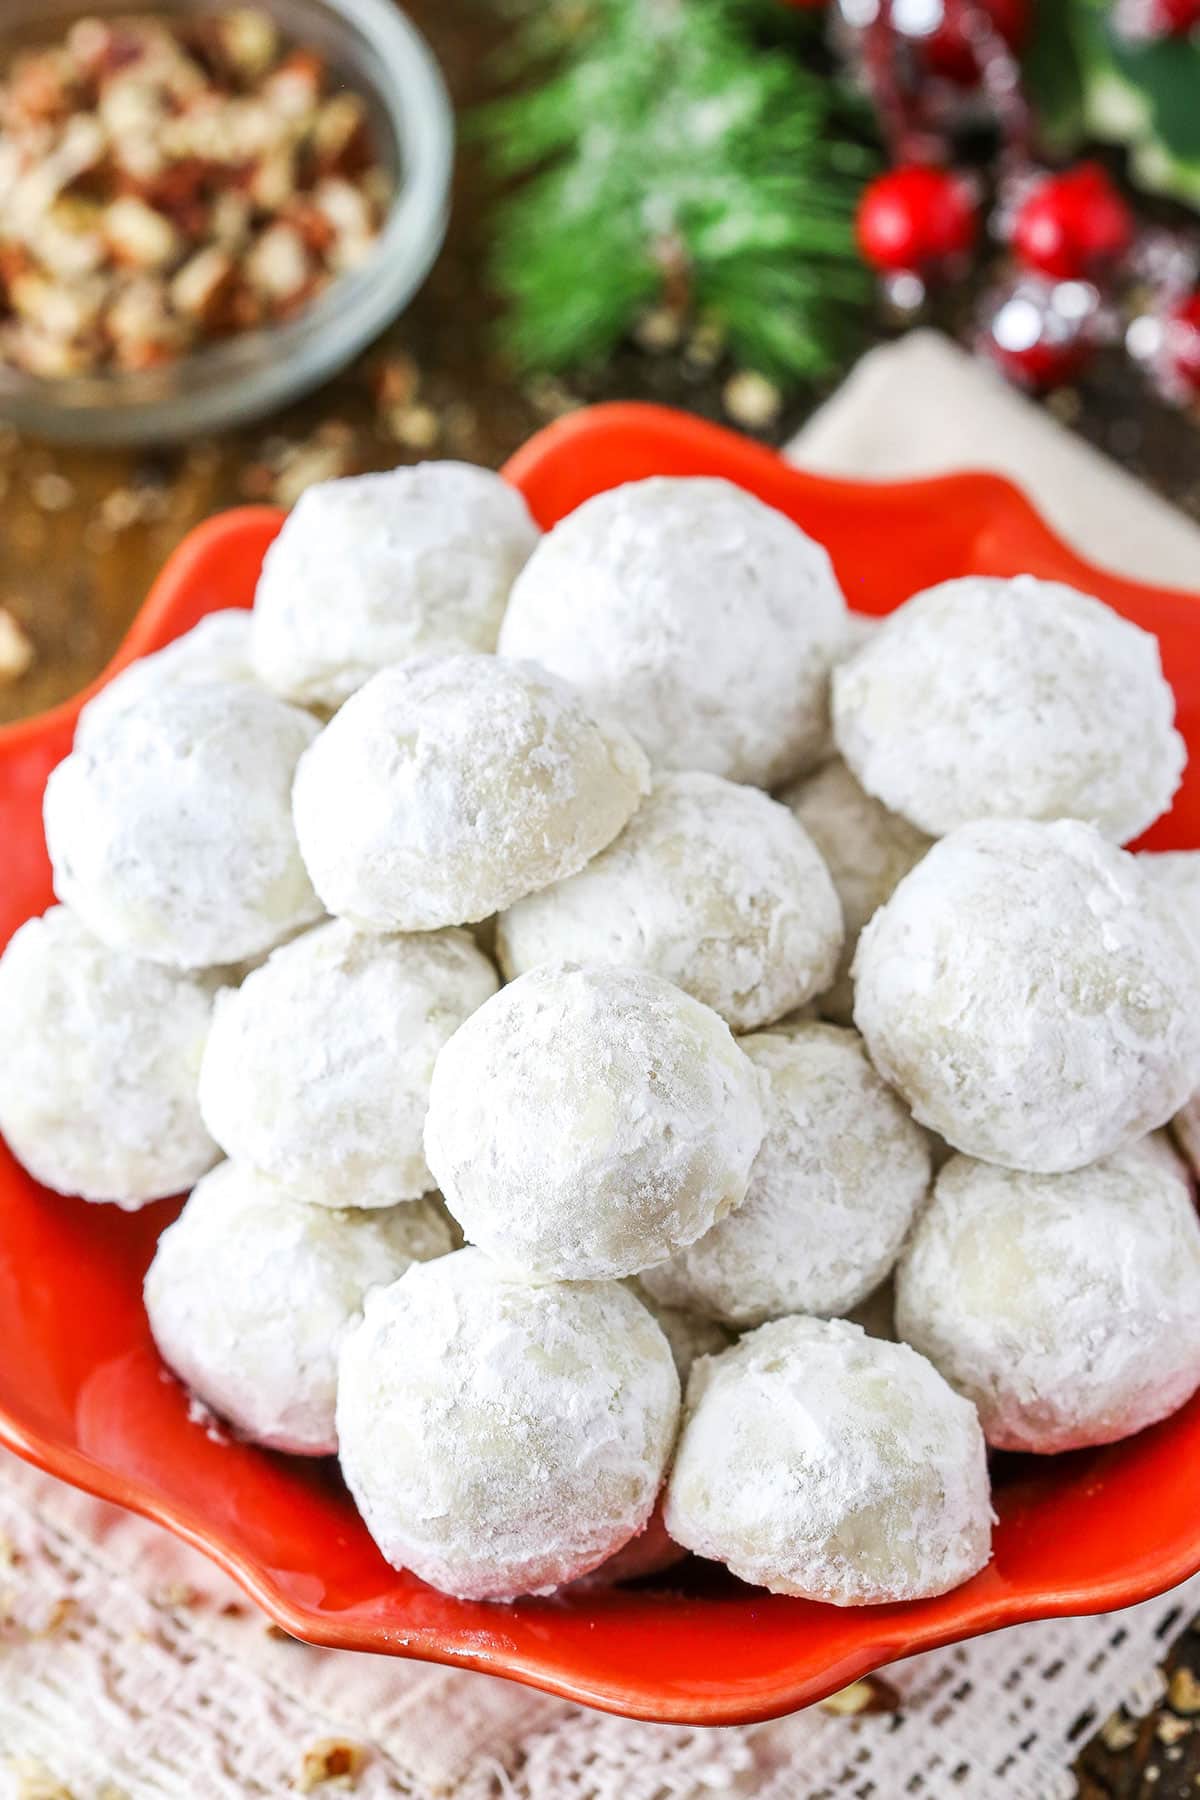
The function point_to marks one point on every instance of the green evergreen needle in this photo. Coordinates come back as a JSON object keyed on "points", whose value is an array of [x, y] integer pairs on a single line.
{"points": [[662, 152]]}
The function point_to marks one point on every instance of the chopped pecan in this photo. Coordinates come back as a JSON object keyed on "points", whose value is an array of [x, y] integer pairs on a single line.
{"points": [[166, 181], [139, 236]]}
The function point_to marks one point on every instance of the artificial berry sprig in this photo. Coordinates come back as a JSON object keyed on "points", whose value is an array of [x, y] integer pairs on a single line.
{"points": [[1072, 226], [1042, 333], [918, 220]]}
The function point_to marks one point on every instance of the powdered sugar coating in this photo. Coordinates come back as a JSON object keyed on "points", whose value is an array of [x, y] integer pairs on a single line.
{"points": [[1028, 996], [834, 1188], [170, 827], [587, 1122], [99, 1055], [251, 1293], [1010, 698], [448, 788], [318, 1067], [375, 569], [867, 850], [1175, 876], [701, 618], [1064, 1306], [217, 649], [651, 1552], [711, 885], [817, 1461], [501, 1438]]}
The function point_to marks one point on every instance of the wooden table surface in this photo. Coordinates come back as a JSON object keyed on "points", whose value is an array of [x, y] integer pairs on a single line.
{"points": [[83, 533]]}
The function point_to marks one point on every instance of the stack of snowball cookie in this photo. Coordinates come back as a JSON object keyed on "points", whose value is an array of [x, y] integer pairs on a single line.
{"points": [[823, 965]]}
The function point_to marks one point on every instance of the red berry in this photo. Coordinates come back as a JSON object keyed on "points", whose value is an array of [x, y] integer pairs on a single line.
{"points": [[949, 50], [1040, 334], [1179, 17], [1167, 344], [1181, 342], [914, 218], [1149, 21], [1074, 225]]}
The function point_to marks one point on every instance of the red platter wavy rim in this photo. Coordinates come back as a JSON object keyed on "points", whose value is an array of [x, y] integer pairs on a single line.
{"points": [[1086, 1533]]}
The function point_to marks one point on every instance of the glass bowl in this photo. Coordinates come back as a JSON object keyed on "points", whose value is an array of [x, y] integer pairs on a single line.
{"points": [[378, 52]]}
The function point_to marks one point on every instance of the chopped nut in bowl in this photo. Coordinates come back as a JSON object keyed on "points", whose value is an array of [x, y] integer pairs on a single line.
{"points": [[206, 208]]}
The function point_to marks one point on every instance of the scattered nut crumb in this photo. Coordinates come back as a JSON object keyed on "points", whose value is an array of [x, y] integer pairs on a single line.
{"points": [[1118, 1732], [551, 398], [870, 1695], [61, 1610], [52, 492], [1170, 1730], [658, 330], [705, 346], [331, 1760], [125, 507], [1183, 1692], [316, 462], [33, 1780], [416, 427], [751, 400], [176, 1593], [16, 651]]}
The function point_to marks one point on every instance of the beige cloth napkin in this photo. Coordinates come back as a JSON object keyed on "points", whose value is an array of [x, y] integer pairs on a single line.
{"points": [[922, 406], [130, 1668]]}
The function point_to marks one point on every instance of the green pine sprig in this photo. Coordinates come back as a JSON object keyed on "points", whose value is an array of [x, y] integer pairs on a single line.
{"points": [[661, 154]]}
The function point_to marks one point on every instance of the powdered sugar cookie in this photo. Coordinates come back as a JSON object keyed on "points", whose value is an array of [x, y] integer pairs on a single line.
{"points": [[99, 1055], [217, 649], [375, 569], [711, 885], [834, 1188], [1064, 1306], [1029, 997], [251, 1293], [501, 1438], [318, 1067], [817, 1461], [450, 787], [702, 619], [170, 826], [587, 1122], [1010, 698]]}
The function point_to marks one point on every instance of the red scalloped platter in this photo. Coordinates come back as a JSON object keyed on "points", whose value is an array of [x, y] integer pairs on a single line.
{"points": [[82, 1392]]}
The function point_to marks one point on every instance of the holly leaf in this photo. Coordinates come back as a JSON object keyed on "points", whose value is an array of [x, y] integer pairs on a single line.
{"points": [[1166, 75]]}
